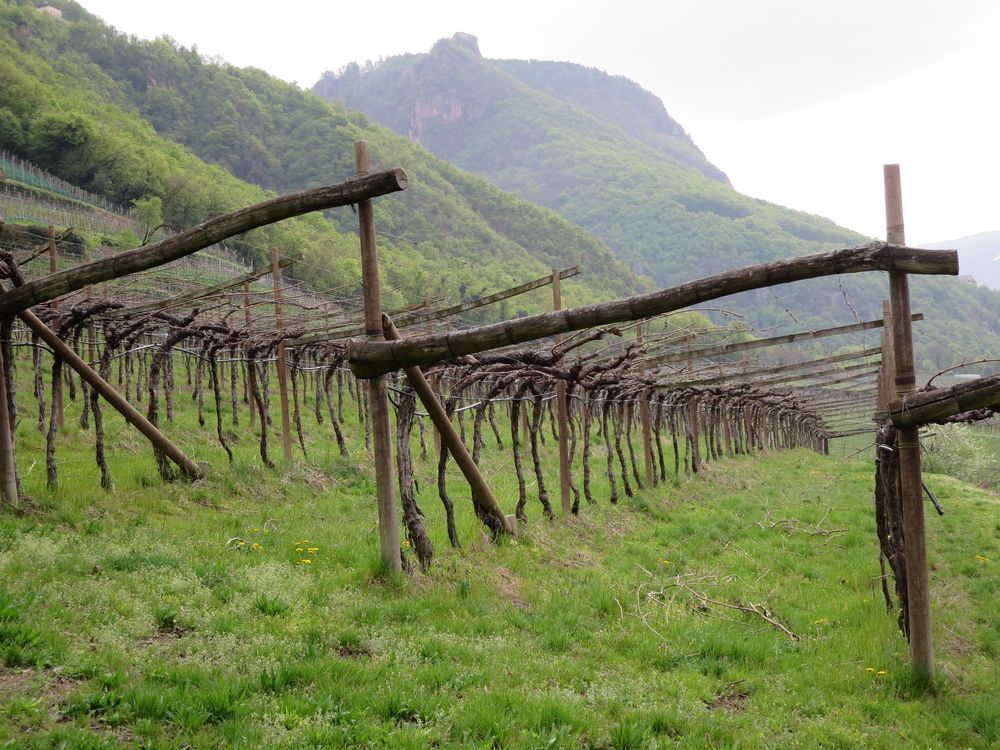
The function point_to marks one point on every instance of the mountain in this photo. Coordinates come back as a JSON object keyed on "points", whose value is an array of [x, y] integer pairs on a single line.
{"points": [[130, 119], [978, 255], [606, 155]]}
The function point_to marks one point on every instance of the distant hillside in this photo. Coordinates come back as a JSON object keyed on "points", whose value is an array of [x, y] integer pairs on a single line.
{"points": [[605, 154], [127, 119], [978, 256]]}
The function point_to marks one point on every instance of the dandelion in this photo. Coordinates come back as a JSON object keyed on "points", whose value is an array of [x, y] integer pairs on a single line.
{"points": [[256, 546], [664, 561], [821, 621], [299, 549], [982, 558], [870, 669], [881, 673], [306, 561], [406, 542], [312, 549]]}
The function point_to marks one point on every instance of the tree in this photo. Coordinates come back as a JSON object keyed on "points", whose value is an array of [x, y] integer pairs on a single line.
{"points": [[149, 210]]}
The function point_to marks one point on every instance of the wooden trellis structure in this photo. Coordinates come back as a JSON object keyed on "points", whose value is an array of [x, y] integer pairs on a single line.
{"points": [[574, 385]]}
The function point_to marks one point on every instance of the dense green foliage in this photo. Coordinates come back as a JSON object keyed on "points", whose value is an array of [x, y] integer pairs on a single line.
{"points": [[604, 154], [133, 119]]}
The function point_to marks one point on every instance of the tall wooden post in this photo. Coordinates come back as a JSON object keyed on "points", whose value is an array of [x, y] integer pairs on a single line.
{"points": [[57, 395], [378, 394], [433, 379], [908, 442], [286, 426], [8, 475], [647, 433], [562, 412], [887, 371], [246, 320]]}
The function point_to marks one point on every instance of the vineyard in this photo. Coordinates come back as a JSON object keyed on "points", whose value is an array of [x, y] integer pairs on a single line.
{"points": [[244, 384]]}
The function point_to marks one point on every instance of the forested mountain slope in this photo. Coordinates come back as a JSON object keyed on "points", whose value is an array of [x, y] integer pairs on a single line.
{"points": [[129, 118], [605, 154]]}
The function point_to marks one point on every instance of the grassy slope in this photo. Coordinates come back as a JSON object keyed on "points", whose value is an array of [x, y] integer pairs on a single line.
{"points": [[125, 618]]}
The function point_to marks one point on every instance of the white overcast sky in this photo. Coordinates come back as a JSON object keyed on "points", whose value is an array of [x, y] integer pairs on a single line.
{"points": [[799, 101]]}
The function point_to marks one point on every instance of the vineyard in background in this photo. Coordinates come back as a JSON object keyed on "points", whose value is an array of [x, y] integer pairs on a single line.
{"points": [[29, 194]]}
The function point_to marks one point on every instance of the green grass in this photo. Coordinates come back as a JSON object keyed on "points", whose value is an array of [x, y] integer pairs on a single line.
{"points": [[131, 618]]}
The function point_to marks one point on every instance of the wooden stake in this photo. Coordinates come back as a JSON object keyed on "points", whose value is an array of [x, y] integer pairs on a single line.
{"points": [[378, 395], [8, 470], [562, 412], [908, 443], [480, 487], [433, 382], [647, 433], [57, 396], [246, 318], [286, 428]]}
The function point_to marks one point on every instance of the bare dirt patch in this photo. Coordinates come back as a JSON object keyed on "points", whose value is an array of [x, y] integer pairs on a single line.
{"points": [[509, 587], [731, 700]]}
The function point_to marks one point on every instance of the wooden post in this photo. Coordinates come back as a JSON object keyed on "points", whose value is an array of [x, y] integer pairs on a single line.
{"points": [[378, 395], [647, 433], [286, 427], [8, 470], [246, 319], [887, 372], [57, 396], [113, 397], [433, 382], [908, 442], [480, 487], [562, 412]]}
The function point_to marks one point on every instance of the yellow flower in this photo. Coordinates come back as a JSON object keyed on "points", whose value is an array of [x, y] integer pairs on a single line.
{"points": [[982, 558], [664, 561], [307, 561], [257, 546], [820, 621], [299, 549], [881, 673], [312, 549], [406, 542], [870, 669]]}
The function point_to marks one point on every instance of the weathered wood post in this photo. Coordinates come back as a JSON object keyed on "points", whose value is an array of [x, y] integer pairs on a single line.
{"points": [[378, 395], [887, 372], [279, 324], [562, 412], [481, 489], [246, 320], [647, 434], [433, 380], [57, 395], [8, 470], [908, 441]]}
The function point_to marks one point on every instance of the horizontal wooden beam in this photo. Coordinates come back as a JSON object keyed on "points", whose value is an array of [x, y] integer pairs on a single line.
{"points": [[925, 407], [197, 238], [193, 295], [789, 338], [753, 373], [416, 317], [371, 358]]}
